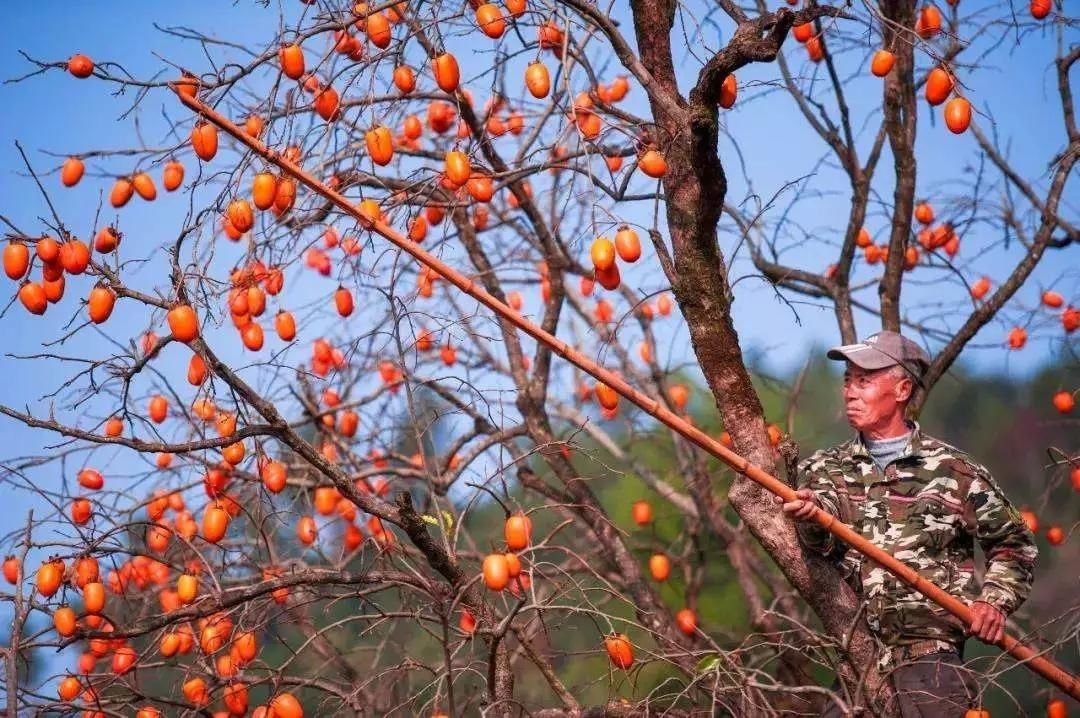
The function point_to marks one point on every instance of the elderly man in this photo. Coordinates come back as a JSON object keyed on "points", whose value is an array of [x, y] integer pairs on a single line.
{"points": [[926, 503]]}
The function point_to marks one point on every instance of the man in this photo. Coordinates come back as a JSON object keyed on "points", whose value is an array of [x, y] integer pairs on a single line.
{"points": [[926, 503]]}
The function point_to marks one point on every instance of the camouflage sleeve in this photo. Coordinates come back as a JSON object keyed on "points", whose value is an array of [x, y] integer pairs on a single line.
{"points": [[1009, 546], [813, 475]]}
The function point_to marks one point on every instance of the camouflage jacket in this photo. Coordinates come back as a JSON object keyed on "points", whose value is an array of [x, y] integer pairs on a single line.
{"points": [[927, 509]]}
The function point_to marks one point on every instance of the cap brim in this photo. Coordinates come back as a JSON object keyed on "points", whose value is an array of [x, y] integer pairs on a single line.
{"points": [[861, 355]]}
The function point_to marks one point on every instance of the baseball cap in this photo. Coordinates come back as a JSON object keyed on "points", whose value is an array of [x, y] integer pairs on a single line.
{"points": [[884, 349]]}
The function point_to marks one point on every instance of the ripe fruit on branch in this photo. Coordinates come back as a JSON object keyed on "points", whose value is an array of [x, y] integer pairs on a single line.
{"points": [[619, 650], [447, 74], [80, 66], [496, 571]]}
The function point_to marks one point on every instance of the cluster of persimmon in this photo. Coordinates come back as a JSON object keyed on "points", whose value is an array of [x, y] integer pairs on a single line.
{"points": [[503, 569], [660, 567], [211, 634]]}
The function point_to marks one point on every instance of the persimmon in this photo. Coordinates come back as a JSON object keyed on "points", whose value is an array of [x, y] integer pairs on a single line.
{"points": [[197, 372], [94, 597], [72, 171], [1017, 338], [91, 479], [380, 145], [48, 251], [496, 571], [404, 79], [1055, 708], [64, 621], [74, 256], [16, 259], [602, 253], [1052, 299], [619, 650], [729, 91], [241, 215], [378, 30], [245, 646], [1070, 319], [686, 621], [348, 422], [627, 244], [252, 336], [882, 63], [123, 660], [537, 79], [607, 397], [803, 32], [659, 566], [187, 588], [448, 354], [173, 175], [517, 531], [285, 325], [306, 530], [194, 689], [107, 239], [447, 74], [215, 523], [81, 510], [550, 36], [122, 191], [183, 323], [54, 289], [291, 58], [1064, 402], [285, 705], [467, 622], [513, 565], [233, 453], [68, 688], [286, 195], [253, 126], [641, 512], [958, 115], [235, 697], [263, 192], [157, 537], [158, 408], [815, 49], [457, 167], [652, 164], [327, 104], [204, 140], [939, 85], [144, 186], [490, 20], [980, 288], [929, 23], [100, 304], [80, 66], [976, 713]]}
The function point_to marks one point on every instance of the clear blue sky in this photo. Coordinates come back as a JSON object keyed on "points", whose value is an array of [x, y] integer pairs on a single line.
{"points": [[54, 112]]}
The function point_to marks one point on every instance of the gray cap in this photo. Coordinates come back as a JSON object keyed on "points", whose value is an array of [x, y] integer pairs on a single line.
{"points": [[884, 349]]}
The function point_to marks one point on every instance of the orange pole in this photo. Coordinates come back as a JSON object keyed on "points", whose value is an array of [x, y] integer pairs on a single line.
{"points": [[1026, 655]]}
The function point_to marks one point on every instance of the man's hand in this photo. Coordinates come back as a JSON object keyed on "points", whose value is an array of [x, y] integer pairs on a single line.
{"points": [[987, 623], [803, 507]]}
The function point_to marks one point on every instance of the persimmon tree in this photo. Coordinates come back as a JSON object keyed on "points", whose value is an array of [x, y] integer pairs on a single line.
{"points": [[283, 460]]}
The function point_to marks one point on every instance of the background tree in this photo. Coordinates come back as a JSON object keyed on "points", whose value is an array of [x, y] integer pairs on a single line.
{"points": [[288, 451]]}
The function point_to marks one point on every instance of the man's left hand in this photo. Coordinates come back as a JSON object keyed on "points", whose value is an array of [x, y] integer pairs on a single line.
{"points": [[987, 623]]}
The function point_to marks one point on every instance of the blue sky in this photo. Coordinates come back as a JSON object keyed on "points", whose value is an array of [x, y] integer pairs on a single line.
{"points": [[56, 113]]}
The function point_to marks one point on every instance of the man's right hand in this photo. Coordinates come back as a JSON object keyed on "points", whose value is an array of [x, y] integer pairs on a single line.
{"points": [[803, 507]]}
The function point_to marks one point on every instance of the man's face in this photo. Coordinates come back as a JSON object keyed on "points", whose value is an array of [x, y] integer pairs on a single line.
{"points": [[873, 396]]}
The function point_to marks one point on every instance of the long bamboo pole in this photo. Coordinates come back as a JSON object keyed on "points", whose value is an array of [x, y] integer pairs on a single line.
{"points": [[1026, 655]]}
